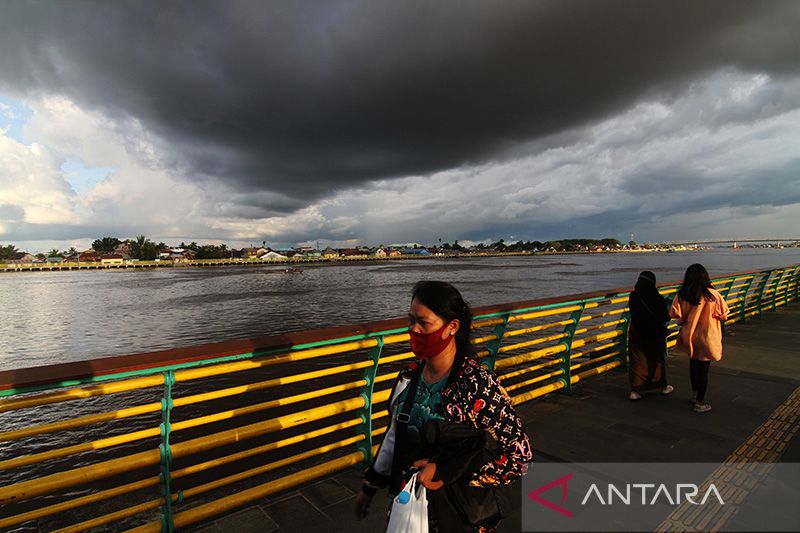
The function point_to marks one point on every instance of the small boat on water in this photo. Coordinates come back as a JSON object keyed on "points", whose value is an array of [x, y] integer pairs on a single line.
{"points": [[293, 270]]}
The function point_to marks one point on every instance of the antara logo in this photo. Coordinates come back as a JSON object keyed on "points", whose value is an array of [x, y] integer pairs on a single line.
{"points": [[684, 492], [631, 494]]}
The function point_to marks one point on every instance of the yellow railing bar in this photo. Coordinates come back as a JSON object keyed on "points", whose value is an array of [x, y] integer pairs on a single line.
{"points": [[595, 371], [531, 381], [177, 426], [485, 323], [398, 357], [619, 311], [111, 517], [81, 392], [536, 393], [600, 348], [481, 340], [208, 510], [77, 502], [250, 452], [529, 369], [534, 329], [187, 400], [221, 482], [261, 362], [598, 326], [577, 343], [81, 421], [53, 482], [217, 483], [240, 411], [530, 356], [517, 346], [592, 361], [100, 444]]}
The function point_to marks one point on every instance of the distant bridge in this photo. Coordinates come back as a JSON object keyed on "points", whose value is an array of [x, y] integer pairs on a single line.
{"points": [[722, 241]]}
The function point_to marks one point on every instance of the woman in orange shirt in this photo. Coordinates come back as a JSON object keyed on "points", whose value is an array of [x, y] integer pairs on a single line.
{"points": [[700, 311]]}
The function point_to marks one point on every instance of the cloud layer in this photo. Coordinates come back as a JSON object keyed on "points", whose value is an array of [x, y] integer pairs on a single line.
{"points": [[399, 121]]}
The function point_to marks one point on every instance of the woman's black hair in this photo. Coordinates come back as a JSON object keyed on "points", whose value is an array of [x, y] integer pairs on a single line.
{"points": [[445, 300], [696, 285]]}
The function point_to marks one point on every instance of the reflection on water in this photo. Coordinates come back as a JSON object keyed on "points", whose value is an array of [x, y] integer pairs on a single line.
{"points": [[53, 317]]}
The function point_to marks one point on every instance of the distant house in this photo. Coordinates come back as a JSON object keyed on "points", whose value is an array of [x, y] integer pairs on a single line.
{"points": [[395, 253], [54, 259], [308, 251], [352, 252], [415, 251], [380, 252], [272, 255], [112, 259], [20, 257], [89, 256], [330, 253]]}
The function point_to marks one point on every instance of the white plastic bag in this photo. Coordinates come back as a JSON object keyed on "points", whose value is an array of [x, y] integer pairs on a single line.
{"points": [[411, 516]]}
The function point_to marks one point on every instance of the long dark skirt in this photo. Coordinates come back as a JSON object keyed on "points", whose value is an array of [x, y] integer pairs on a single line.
{"points": [[646, 365]]}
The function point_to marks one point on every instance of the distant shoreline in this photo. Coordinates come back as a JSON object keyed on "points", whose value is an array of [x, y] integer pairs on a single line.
{"points": [[206, 263]]}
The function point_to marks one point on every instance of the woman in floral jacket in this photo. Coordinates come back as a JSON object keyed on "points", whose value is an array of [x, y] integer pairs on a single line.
{"points": [[452, 388]]}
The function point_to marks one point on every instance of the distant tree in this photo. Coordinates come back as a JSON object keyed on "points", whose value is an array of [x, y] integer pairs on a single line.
{"points": [[144, 249], [611, 243], [41, 256], [54, 253], [7, 251], [209, 251], [106, 244], [72, 250], [632, 244], [457, 246], [499, 245]]}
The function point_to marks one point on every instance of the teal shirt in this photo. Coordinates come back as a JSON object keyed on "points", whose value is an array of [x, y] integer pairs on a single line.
{"points": [[427, 406]]}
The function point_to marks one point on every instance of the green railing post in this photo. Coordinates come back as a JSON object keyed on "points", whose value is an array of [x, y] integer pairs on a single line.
{"points": [[782, 279], [365, 427], [165, 449], [745, 290], [569, 329], [796, 276], [762, 287], [494, 346]]}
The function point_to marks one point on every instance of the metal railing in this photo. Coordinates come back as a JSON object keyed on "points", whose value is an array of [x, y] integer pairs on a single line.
{"points": [[154, 442]]}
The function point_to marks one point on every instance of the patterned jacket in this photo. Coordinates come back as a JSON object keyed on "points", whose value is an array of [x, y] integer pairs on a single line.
{"points": [[473, 397]]}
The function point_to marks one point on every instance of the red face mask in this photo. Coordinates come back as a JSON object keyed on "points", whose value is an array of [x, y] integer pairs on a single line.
{"points": [[427, 345]]}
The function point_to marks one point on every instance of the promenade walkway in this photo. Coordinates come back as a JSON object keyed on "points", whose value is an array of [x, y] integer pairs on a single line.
{"points": [[755, 393]]}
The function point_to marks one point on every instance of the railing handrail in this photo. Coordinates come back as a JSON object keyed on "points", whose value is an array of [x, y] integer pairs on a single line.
{"points": [[84, 371]]}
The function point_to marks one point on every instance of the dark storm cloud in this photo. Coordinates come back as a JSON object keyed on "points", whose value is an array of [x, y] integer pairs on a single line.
{"points": [[304, 98]]}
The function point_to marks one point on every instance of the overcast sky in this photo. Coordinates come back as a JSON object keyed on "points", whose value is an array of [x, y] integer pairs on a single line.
{"points": [[378, 122]]}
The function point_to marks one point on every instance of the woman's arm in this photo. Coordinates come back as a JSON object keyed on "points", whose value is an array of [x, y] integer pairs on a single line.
{"points": [[675, 310]]}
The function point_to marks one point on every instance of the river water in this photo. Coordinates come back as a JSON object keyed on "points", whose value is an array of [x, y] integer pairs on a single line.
{"points": [[54, 317]]}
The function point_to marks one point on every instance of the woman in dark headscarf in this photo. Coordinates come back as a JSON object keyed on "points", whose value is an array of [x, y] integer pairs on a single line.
{"points": [[647, 337]]}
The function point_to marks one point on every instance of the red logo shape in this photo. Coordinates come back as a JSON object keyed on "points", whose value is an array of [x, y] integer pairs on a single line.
{"points": [[560, 482]]}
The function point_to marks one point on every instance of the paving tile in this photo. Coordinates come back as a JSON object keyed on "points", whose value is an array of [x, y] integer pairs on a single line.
{"points": [[351, 478], [297, 514], [249, 520], [327, 492]]}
